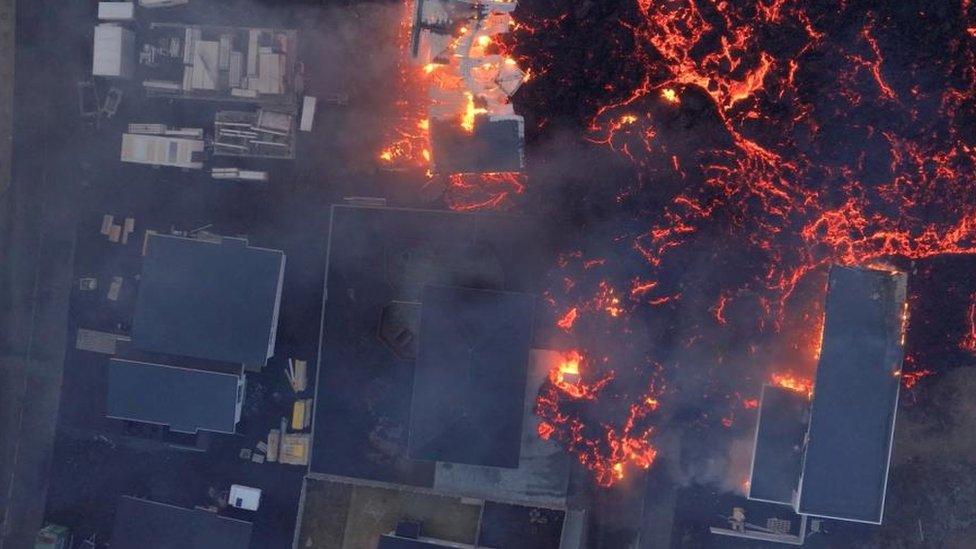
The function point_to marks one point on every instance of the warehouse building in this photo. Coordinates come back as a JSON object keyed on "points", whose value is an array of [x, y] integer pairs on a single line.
{"points": [[829, 456]]}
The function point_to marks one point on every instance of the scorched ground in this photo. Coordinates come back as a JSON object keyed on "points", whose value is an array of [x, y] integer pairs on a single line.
{"points": [[763, 141]]}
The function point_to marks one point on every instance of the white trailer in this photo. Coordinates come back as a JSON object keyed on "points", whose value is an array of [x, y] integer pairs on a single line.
{"points": [[308, 113], [160, 150], [116, 11]]}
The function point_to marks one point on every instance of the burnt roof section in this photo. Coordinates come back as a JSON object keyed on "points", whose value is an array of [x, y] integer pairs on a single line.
{"points": [[845, 469], [778, 452], [144, 524], [211, 300], [469, 381], [186, 400], [492, 146]]}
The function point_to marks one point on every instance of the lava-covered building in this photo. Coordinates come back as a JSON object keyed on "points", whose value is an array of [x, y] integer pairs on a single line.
{"points": [[830, 457], [473, 125], [145, 524], [427, 374]]}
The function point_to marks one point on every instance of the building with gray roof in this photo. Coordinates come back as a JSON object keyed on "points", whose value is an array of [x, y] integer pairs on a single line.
{"points": [[209, 299], [145, 524], [184, 399], [830, 459]]}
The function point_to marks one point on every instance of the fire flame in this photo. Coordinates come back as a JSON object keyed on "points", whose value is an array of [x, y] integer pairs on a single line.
{"points": [[794, 383], [615, 450], [409, 145]]}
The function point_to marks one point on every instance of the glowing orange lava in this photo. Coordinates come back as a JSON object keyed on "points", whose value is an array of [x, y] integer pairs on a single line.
{"points": [[795, 164]]}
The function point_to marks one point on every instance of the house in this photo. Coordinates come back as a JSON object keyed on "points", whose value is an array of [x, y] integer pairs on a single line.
{"points": [[186, 400], [209, 299], [229, 64], [162, 150], [778, 452], [145, 524]]}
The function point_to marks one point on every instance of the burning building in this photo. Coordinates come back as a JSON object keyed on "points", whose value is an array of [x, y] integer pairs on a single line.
{"points": [[472, 125], [828, 455]]}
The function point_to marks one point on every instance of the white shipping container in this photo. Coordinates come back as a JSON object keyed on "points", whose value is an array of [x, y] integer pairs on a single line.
{"points": [[160, 150], [116, 11]]}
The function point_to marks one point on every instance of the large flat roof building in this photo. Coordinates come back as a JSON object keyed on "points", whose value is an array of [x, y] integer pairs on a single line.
{"points": [[144, 524], [214, 300], [469, 380], [186, 400], [846, 433], [852, 417], [409, 356]]}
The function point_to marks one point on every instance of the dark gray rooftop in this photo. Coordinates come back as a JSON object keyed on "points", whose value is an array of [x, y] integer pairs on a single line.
{"points": [[184, 399], [217, 301], [144, 524], [845, 469], [469, 382], [507, 526], [778, 452], [493, 146]]}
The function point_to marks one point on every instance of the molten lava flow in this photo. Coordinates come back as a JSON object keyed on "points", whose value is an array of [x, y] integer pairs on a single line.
{"points": [[566, 321], [408, 142], [483, 191], [969, 340], [909, 379], [783, 136], [611, 450]]}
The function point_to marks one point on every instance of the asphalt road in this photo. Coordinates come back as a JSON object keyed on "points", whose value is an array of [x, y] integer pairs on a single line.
{"points": [[37, 214]]}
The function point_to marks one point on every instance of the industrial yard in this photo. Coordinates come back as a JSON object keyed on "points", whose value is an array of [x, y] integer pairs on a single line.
{"points": [[486, 274]]}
